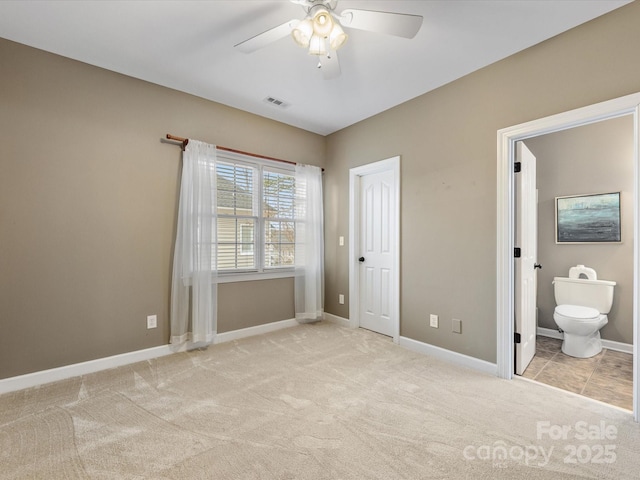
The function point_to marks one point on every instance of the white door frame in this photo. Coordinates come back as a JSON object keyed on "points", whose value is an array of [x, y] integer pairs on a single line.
{"points": [[507, 138], [392, 164]]}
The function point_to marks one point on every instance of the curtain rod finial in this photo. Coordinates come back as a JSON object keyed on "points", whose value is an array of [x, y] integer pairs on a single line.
{"points": [[184, 141]]}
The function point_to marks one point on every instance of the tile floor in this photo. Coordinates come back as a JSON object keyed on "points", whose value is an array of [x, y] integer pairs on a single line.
{"points": [[607, 377]]}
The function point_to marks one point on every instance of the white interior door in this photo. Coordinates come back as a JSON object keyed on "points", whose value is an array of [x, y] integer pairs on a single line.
{"points": [[526, 284], [376, 252]]}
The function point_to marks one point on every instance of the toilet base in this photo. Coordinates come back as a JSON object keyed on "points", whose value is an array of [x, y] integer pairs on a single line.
{"points": [[582, 346]]}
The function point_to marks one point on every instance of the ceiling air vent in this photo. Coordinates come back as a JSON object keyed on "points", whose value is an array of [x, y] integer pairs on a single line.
{"points": [[276, 102]]}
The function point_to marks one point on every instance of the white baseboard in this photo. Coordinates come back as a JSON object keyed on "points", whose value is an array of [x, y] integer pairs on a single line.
{"points": [[608, 344], [617, 346], [343, 322], [449, 356], [257, 330], [549, 332], [35, 379], [426, 349], [77, 369]]}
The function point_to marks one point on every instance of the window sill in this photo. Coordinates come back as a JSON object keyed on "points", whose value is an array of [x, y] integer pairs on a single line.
{"points": [[253, 276]]}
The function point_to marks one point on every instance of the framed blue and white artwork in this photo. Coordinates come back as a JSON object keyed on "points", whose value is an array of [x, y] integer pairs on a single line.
{"points": [[588, 218]]}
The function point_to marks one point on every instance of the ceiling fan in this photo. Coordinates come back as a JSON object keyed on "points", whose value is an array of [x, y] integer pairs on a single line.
{"points": [[320, 31]]}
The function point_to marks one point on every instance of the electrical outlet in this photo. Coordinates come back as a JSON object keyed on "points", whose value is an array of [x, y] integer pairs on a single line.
{"points": [[341, 299], [456, 325], [341, 241], [433, 320], [152, 321]]}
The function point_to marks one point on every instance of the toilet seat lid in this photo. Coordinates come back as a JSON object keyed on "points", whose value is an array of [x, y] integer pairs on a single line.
{"points": [[578, 312]]}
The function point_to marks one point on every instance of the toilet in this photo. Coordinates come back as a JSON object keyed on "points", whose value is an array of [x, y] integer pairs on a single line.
{"points": [[583, 303]]}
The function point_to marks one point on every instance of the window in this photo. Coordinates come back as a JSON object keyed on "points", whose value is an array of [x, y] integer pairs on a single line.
{"points": [[279, 226], [256, 229], [246, 237], [237, 219]]}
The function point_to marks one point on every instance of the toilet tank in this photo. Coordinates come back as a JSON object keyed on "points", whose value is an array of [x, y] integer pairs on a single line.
{"points": [[596, 294]]}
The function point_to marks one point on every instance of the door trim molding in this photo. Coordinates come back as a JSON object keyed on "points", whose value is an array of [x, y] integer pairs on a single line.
{"points": [[392, 164], [507, 138]]}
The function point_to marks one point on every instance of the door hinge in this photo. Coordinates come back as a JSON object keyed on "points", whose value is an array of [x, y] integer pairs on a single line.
{"points": [[516, 252], [517, 167], [516, 337]]}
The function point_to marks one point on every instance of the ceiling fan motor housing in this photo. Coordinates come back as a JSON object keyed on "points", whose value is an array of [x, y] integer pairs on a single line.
{"points": [[318, 26]]}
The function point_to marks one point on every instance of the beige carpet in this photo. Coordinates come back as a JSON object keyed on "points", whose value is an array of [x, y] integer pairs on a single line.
{"points": [[309, 402]]}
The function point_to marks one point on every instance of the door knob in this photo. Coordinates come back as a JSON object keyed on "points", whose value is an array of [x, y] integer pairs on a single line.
{"points": [[361, 259], [537, 265]]}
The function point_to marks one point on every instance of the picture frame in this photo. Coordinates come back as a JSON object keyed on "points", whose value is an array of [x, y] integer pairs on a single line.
{"points": [[592, 218]]}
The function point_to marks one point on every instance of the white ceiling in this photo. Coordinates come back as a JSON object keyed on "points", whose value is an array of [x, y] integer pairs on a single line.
{"points": [[188, 46]]}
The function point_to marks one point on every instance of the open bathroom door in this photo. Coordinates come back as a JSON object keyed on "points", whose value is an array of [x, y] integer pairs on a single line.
{"points": [[525, 266]]}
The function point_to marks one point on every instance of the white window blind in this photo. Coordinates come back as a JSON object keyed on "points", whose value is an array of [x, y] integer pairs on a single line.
{"points": [[237, 216], [255, 229], [277, 210]]}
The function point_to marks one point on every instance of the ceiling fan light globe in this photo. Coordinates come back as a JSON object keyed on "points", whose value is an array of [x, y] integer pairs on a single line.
{"points": [[302, 32], [337, 38], [317, 46], [322, 22]]}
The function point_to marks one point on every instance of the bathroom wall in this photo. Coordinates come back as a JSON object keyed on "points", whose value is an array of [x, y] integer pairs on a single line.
{"points": [[595, 158]]}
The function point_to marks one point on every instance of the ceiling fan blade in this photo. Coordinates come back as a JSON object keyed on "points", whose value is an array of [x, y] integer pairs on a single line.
{"points": [[330, 65], [265, 38], [398, 24]]}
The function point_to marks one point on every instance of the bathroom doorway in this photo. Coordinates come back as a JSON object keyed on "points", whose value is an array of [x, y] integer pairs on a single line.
{"points": [[588, 159], [507, 140]]}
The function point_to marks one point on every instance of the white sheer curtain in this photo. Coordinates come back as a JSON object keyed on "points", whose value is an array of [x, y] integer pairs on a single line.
{"points": [[309, 249], [193, 286]]}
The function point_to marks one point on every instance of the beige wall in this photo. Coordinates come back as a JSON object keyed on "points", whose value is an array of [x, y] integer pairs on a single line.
{"points": [[246, 304], [595, 158], [447, 143], [88, 191], [88, 201]]}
